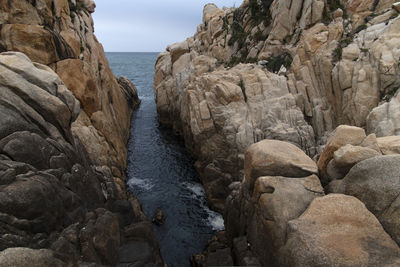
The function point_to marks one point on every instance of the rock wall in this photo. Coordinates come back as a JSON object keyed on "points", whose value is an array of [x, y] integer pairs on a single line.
{"points": [[64, 126], [285, 70]]}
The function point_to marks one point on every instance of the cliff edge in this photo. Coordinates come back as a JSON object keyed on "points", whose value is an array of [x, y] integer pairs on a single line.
{"points": [[64, 126]]}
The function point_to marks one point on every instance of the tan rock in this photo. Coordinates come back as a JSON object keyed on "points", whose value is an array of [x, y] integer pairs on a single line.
{"points": [[277, 158], [375, 182], [347, 156], [338, 230], [343, 135], [389, 145], [276, 201]]}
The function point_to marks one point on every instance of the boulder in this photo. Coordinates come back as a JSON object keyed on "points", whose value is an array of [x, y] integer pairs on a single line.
{"points": [[277, 200], [337, 230], [376, 182], [276, 158], [158, 217], [347, 156], [29, 257], [389, 145], [343, 135]]}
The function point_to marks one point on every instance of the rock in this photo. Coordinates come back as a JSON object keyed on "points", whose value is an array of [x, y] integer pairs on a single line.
{"points": [[177, 50], [338, 230], [29, 257], [347, 156], [384, 119], [343, 135], [158, 217], [371, 142], [389, 145], [277, 158], [130, 91], [64, 125], [376, 182], [100, 238], [396, 6], [277, 200]]}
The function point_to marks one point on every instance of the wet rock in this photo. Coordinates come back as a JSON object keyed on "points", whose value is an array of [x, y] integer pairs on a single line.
{"points": [[158, 217]]}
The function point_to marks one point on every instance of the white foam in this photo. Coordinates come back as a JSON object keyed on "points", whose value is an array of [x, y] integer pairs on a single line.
{"points": [[216, 221], [197, 189], [143, 184]]}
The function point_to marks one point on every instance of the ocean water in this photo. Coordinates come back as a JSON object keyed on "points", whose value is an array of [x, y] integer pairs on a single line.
{"points": [[161, 173]]}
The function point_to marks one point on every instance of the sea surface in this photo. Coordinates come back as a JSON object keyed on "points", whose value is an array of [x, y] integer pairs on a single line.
{"points": [[161, 173]]}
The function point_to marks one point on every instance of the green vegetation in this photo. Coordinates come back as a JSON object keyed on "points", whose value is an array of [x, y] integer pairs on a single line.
{"points": [[394, 15], [337, 54], [360, 28], [390, 94], [260, 13], [259, 36], [241, 85], [364, 50], [331, 6], [274, 64]]}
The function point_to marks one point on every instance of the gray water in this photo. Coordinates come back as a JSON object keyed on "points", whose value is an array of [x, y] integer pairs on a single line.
{"points": [[160, 172]]}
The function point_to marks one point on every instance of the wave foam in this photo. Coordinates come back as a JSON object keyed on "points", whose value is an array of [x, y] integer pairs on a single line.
{"points": [[142, 184]]}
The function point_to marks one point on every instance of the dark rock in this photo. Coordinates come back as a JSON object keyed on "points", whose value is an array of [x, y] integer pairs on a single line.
{"points": [[158, 217]]}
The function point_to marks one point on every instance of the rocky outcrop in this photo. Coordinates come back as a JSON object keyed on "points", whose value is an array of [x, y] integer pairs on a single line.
{"points": [[338, 230], [64, 126], [311, 66], [288, 221]]}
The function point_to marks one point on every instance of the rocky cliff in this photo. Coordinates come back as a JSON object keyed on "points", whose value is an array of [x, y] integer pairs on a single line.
{"points": [[64, 126], [299, 72], [285, 70]]}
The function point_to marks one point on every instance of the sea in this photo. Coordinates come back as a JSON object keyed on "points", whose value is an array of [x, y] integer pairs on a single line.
{"points": [[160, 172]]}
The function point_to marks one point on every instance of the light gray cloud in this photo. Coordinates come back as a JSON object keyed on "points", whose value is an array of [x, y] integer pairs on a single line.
{"points": [[146, 26]]}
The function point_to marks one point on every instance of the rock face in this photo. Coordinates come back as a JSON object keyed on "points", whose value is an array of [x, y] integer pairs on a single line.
{"points": [[64, 124], [287, 221], [338, 230], [320, 64], [279, 185]]}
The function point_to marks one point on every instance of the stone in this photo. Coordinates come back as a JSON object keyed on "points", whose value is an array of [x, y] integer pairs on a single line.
{"points": [[276, 201], [376, 182], [277, 158], [343, 135], [347, 156], [158, 217], [29, 257], [338, 230], [384, 119], [389, 145], [371, 142]]}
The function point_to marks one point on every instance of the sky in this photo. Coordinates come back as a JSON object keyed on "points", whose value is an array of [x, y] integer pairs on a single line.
{"points": [[149, 25]]}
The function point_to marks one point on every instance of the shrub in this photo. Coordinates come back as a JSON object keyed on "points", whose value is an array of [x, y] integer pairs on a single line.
{"points": [[241, 85], [274, 64]]}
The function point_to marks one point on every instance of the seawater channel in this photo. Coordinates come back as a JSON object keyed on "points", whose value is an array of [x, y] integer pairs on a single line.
{"points": [[160, 172]]}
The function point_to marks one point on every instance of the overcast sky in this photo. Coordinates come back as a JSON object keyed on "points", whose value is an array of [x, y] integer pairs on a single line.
{"points": [[149, 25]]}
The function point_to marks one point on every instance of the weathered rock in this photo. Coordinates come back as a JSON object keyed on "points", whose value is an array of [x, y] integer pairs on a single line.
{"points": [[347, 156], [158, 217], [343, 135], [276, 158], [376, 182], [338, 230], [29, 257], [389, 145], [384, 119], [63, 131], [277, 200]]}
